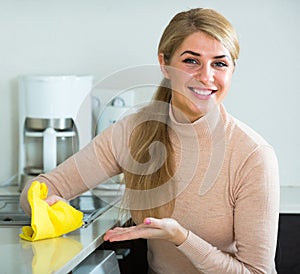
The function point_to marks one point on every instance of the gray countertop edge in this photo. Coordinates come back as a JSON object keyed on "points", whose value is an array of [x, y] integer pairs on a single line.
{"points": [[107, 221]]}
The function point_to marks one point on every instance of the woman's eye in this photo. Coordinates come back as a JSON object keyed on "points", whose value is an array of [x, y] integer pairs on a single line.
{"points": [[220, 64], [190, 61]]}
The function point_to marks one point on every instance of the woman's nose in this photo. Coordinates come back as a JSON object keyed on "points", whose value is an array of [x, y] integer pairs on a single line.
{"points": [[205, 74]]}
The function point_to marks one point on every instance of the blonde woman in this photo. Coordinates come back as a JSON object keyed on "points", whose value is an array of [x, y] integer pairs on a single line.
{"points": [[201, 186]]}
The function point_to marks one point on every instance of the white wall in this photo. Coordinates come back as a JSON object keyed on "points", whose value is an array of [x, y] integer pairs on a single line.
{"points": [[100, 37]]}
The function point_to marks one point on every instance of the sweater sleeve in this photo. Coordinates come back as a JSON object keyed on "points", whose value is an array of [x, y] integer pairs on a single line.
{"points": [[255, 213]]}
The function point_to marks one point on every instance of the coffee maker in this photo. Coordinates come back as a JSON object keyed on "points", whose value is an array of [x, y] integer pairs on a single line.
{"points": [[55, 120]]}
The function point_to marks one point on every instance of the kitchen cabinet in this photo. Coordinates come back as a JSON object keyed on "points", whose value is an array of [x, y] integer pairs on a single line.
{"points": [[288, 246], [100, 261], [132, 255]]}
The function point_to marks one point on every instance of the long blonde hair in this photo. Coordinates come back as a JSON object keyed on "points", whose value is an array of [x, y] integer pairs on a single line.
{"points": [[156, 129]]}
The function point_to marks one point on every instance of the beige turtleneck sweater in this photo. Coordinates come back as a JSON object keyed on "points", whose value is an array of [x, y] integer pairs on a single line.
{"points": [[228, 193]]}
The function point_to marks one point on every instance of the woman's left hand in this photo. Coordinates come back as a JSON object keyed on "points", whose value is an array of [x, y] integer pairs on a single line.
{"points": [[152, 228]]}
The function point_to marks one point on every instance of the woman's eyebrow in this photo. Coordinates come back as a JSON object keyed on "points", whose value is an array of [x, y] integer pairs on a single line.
{"points": [[198, 54], [222, 56], [190, 52]]}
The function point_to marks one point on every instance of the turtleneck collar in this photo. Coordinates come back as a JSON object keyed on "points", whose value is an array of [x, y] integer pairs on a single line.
{"points": [[205, 126]]}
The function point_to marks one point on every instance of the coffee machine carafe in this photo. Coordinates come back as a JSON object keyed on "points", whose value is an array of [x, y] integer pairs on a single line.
{"points": [[55, 121], [47, 143]]}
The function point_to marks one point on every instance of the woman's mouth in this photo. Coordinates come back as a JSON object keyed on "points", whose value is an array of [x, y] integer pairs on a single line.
{"points": [[202, 93]]}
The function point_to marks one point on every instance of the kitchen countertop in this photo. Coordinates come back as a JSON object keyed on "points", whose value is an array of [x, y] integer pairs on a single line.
{"points": [[290, 199], [61, 255], [58, 255]]}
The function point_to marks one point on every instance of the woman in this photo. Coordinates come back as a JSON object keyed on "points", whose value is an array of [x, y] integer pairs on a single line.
{"points": [[201, 186]]}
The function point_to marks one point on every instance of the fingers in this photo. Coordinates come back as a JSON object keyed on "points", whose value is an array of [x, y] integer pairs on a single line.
{"points": [[123, 234], [152, 228], [145, 230], [53, 199], [147, 221], [173, 231], [158, 223], [153, 222]]}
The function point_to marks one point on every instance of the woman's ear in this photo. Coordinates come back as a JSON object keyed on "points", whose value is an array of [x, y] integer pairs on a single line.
{"points": [[163, 66]]}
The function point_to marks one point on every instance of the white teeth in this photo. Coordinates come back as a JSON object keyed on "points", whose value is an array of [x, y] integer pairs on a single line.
{"points": [[201, 92]]}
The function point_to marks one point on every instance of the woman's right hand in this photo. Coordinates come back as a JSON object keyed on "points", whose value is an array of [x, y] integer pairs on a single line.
{"points": [[52, 199]]}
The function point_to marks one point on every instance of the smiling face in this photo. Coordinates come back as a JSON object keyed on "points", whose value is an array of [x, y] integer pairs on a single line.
{"points": [[200, 73]]}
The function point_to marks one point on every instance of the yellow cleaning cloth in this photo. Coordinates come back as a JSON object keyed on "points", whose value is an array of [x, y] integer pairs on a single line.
{"points": [[49, 221]]}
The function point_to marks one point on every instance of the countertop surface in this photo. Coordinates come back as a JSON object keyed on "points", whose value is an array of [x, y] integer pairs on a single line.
{"points": [[290, 199], [61, 255], [58, 255]]}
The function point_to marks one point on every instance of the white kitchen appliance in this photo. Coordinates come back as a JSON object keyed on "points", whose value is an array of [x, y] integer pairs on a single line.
{"points": [[54, 121]]}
